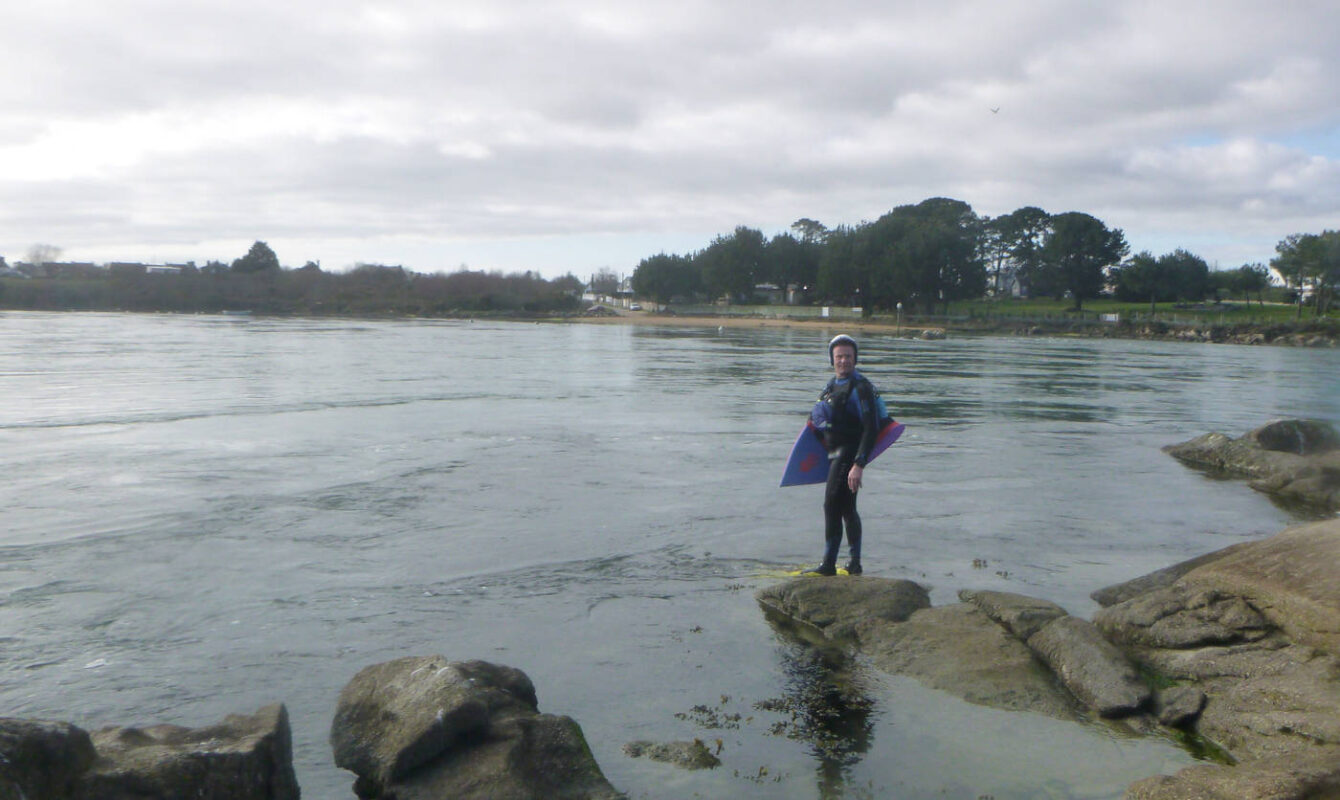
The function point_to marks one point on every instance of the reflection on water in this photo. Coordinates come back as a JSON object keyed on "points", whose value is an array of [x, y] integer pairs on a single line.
{"points": [[828, 708]]}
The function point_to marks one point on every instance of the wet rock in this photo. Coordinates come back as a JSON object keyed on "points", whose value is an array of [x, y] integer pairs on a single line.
{"points": [[960, 650], [1178, 706], [1306, 776], [687, 755], [40, 758], [1022, 616], [832, 607], [1297, 460], [1091, 667], [425, 727]]}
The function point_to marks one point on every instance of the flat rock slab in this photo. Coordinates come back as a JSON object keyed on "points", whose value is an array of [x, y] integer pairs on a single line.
{"points": [[1091, 667], [1021, 615], [1310, 776], [246, 757], [833, 607], [960, 650]]}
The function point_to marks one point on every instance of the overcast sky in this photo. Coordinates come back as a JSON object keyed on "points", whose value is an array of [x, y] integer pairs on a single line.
{"points": [[574, 135]]}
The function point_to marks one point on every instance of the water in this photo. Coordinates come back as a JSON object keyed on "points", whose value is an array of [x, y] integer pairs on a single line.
{"points": [[202, 515]]}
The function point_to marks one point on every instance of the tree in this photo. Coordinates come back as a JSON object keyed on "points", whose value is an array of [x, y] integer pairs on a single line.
{"points": [[1309, 260], [926, 254], [605, 282], [1139, 279], [260, 258], [40, 254], [730, 263], [664, 277], [1021, 233], [1076, 253], [788, 260], [809, 231]]}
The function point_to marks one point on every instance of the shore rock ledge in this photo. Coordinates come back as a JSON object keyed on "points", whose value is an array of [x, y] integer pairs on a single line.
{"points": [[246, 757], [1298, 460], [1252, 634], [425, 728]]}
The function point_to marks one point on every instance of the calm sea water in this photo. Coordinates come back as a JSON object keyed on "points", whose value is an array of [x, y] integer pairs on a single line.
{"points": [[202, 515]]}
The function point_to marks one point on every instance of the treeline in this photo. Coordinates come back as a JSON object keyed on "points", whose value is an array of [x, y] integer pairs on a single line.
{"points": [[928, 255], [256, 282]]}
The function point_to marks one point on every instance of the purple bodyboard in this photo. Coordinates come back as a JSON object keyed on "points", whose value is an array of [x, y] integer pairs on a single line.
{"points": [[808, 462]]}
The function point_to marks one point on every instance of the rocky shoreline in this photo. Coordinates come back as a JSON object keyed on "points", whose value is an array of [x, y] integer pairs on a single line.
{"points": [[1236, 652]]}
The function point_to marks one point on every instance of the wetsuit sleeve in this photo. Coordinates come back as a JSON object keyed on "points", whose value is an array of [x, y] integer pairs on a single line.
{"points": [[865, 393]]}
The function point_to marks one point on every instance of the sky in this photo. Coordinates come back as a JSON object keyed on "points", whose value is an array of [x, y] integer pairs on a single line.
{"points": [[581, 135]]}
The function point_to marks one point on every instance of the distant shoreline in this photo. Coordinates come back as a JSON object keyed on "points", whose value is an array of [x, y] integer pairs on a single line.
{"points": [[1303, 334]]}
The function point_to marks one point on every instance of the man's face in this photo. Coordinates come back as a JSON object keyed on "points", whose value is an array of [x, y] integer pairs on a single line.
{"points": [[844, 360]]}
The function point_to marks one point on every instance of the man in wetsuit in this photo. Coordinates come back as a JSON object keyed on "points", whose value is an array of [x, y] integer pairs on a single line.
{"points": [[850, 429]]}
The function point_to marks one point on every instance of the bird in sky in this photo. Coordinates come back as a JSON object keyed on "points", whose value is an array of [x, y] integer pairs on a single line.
{"points": [[995, 110]]}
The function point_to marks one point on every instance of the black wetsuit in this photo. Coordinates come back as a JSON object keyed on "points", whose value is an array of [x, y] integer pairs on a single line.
{"points": [[852, 433]]}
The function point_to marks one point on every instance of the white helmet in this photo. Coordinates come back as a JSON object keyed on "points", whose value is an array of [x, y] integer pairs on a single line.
{"points": [[843, 338]]}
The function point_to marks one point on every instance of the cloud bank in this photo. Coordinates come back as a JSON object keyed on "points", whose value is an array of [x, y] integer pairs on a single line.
{"points": [[581, 134]]}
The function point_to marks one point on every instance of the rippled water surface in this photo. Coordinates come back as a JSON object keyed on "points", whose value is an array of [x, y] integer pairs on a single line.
{"points": [[202, 515]]}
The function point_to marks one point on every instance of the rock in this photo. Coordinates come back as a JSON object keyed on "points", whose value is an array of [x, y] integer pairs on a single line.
{"points": [[1021, 616], [1305, 776], [1256, 628], [246, 757], [1182, 616], [39, 758], [688, 755], [1303, 437], [1178, 706], [1297, 460], [1290, 578], [960, 650], [426, 727], [1291, 705], [832, 607], [1091, 667]]}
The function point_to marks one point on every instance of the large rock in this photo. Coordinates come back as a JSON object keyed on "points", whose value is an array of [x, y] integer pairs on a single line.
{"points": [[1296, 460], [1303, 437], [960, 650], [833, 607], [39, 758], [1091, 667], [1255, 628], [425, 727], [246, 757]]}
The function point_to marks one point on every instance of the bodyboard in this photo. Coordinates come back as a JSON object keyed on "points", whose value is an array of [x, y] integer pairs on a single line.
{"points": [[808, 462]]}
